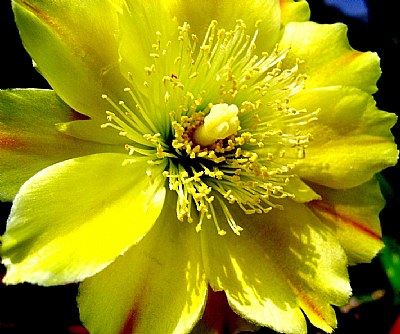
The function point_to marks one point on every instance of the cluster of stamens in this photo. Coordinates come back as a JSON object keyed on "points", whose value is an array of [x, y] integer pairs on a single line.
{"points": [[220, 120]]}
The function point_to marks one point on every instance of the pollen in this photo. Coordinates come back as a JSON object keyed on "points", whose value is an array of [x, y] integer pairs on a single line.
{"points": [[218, 114]]}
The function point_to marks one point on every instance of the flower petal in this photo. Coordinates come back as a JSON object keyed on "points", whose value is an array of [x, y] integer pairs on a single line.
{"points": [[66, 243], [301, 191], [29, 140], [140, 28], [328, 58], [157, 286], [91, 130], [354, 213], [351, 138], [256, 287], [200, 13], [294, 11], [283, 260], [77, 57]]}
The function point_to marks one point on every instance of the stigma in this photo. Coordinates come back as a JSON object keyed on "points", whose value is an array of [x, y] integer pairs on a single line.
{"points": [[221, 122]]}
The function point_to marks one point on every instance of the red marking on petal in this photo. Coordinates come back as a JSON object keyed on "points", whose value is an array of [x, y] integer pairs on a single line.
{"points": [[42, 15], [130, 322], [75, 329], [326, 208], [218, 315], [77, 116], [314, 308], [348, 58], [39, 13], [9, 142]]}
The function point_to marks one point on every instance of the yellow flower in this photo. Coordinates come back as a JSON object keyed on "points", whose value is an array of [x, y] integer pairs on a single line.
{"points": [[187, 145]]}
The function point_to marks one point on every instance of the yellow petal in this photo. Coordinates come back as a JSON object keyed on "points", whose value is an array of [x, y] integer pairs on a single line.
{"points": [[157, 286], [72, 219], [200, 13], [140, 30], [29, 140], [75, 48], [294, 11], [354, 213], [351, 140], [281, 262], [92, 130], [328, 58], [301, 191]]}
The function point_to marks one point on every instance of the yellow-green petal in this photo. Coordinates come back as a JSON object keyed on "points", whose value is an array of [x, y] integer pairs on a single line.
{"points": [[29, 140], [294, 11], [157, 286], [75, 48], [351, 140], [92, 130], [254, 283], [354, 213], [328, 57], [139, 31], [301, 192], [72, 219], [302, 267], [140, 28], [200, 13]]}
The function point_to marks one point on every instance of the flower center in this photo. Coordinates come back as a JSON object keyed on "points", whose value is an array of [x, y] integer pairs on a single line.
{"points": [[222, 120]]}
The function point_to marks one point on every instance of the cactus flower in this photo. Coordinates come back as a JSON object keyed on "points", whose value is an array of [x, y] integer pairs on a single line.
{"points": [[187, 149]]}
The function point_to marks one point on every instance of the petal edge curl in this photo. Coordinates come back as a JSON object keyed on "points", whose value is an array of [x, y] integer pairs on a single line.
{"points": [[328, 57], [294, 11]]}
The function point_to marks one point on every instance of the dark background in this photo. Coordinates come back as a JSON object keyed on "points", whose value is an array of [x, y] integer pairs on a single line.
{"points": [[31, 309]]}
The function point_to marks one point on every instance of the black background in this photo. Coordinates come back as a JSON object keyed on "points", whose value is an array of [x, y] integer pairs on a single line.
{"points": [[32, 309]]}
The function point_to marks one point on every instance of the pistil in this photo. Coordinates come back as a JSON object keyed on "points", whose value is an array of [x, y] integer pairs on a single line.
{"points": [[220, 123]]}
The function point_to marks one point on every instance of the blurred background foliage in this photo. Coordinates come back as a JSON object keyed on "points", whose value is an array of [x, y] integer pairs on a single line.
{"points": [[375, 306]]}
